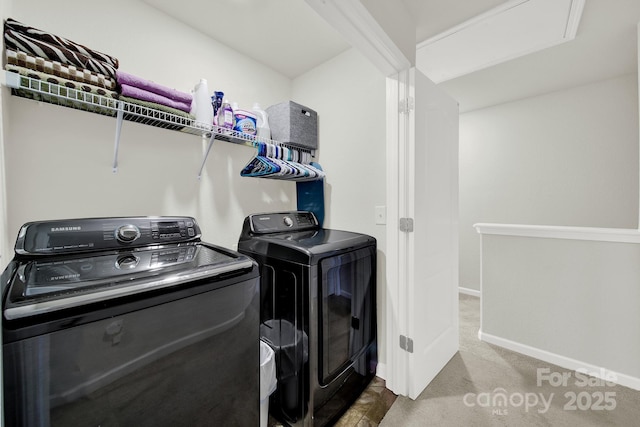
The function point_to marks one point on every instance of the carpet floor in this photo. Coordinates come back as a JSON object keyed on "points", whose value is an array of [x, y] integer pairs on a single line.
{"points": [[486, 385]]}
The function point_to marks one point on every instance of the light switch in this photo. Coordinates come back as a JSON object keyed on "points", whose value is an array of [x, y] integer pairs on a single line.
{"points": [[381, 215]]}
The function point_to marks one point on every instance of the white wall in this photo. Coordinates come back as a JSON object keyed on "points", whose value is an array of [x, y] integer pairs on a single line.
{"points": [[565, 158], [565, 300], [349, 94], [58, 160]]}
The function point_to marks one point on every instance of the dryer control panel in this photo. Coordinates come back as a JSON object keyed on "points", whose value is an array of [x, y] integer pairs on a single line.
{"points": [[93, 234], [279, 222]]}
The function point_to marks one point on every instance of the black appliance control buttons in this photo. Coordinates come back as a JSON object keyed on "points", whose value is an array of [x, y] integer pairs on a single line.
{"points": [[127, 233], [287, 221]]}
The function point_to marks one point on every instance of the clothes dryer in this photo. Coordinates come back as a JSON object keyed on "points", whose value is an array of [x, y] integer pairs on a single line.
{"points": [[317, 310]]}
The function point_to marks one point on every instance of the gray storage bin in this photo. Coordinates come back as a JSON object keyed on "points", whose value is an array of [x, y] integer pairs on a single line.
{"points": [[294, 123]]}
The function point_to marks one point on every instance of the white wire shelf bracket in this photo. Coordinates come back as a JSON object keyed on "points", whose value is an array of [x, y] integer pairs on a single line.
{"points": [[51, 93]]}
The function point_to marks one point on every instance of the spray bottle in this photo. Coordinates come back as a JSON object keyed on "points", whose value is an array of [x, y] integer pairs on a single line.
{"points": [[225, 115]]}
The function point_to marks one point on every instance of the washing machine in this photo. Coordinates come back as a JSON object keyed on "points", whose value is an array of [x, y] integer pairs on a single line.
{"points": [[128, 322], [317, 312]]}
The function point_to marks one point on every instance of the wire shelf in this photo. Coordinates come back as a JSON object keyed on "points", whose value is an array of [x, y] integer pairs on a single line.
{"points": [[52, 93]]}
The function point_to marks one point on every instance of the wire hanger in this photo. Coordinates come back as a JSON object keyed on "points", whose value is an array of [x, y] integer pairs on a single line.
{"points": [[275, 161]]}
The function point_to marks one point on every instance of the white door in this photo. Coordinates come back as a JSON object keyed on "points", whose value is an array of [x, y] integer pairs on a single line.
{"points": [[422, 312]]}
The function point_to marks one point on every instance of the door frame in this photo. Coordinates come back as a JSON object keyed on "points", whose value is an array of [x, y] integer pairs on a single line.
{"points": [[398, 132], [354, 22]]}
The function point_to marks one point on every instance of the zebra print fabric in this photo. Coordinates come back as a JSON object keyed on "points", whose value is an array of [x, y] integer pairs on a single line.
{"points": [[24, 43], [46, 37]]}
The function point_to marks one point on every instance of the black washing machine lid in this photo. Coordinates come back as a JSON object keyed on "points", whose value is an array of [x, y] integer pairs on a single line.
{"points": [[42, 285], [305, 247]]}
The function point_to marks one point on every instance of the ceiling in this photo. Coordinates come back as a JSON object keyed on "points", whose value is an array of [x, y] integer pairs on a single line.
{"points": [[511, 30], [288, 36], [604, 47]]}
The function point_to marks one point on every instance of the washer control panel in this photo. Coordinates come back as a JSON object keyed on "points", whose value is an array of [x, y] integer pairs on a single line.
{"points": [[92, 234]]}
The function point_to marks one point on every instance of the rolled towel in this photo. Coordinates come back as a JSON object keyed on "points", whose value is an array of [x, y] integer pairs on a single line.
{"points": [[173, 94], [44, 36], [145, 95], [23, 43]]}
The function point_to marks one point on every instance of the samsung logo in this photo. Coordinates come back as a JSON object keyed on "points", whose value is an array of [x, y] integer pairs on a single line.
{"points": [[64, 277], [70, 228]]}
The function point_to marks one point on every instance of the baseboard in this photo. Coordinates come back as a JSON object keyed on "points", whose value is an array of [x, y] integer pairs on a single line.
{"points": [[468, 291], [563, 361], [381, 371]]}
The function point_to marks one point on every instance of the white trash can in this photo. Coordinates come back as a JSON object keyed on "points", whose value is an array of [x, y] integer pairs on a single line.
{"points": [[267, 380]]}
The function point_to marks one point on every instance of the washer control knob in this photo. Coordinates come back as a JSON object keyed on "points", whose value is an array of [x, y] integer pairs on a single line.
{"points": [[127, 233], [288, 221]]}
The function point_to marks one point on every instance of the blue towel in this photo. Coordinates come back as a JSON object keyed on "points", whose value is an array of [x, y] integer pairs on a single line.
{"points": [[310, 195]]}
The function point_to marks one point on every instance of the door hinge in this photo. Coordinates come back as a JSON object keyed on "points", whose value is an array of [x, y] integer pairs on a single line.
{"points": [[406, 225], [406, 344], [406, 105]]}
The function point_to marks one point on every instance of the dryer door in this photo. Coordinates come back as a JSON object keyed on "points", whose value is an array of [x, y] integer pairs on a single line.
{"points": [[347, 323]]}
